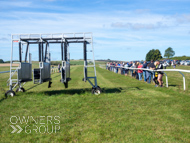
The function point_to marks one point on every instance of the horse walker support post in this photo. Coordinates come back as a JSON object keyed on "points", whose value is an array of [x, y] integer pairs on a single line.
{"points": [[43, 73]]}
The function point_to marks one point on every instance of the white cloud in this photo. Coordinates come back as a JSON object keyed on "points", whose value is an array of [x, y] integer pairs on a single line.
{"points": [[4, 39], [142, 11], [49, 0], [9, 4], [138, 26], [115, 30], [185, 18]]}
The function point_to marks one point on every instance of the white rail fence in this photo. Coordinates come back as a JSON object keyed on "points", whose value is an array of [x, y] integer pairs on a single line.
{"points": [[54, 70], [163, 70]]}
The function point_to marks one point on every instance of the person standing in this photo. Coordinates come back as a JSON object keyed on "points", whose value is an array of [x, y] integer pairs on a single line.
{"points": [[152, 67], [118, 69], [126, 69], [164, 65], [110, 66], [155, 79], [58, 67], [131, 71], [144, 71], [136, 71], [121, 67], [148, 74], [160, 73], [174, 65], [140, 72]]}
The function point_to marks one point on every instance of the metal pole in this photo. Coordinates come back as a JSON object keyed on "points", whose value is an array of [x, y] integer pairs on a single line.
{"points": [[26, 52], [20, 52], [10, 81], [39, 48], [49, 55], [45, 60], [29, 56], [166, 79], [95, 80], [85, 60], [62, 51], [184, 86], [65, 51], [42, 47]]}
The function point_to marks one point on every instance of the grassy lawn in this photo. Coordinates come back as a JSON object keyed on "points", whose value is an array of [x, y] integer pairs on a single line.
{"points": [[128, 110]]}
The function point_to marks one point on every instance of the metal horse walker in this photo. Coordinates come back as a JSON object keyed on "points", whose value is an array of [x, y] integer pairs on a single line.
{"points": [[43, 73]]}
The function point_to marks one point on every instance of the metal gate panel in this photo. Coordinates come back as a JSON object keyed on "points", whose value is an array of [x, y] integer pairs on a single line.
{"points": [[25, 72]]}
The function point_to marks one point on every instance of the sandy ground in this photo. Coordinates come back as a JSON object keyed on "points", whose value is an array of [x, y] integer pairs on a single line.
{"points": [[7, 65]]}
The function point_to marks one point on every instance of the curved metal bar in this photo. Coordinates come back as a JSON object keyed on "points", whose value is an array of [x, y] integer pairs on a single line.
{"points": [[184, 86], [166, 79]]}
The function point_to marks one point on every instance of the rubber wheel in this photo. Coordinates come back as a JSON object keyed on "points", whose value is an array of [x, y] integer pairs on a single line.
{"points": [[96, 91], [20, 89], [9, 93], [66, 84]]}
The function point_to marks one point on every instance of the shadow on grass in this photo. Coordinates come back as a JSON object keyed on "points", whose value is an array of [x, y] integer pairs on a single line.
{"points": [[86, 90], [2, 99], [173, 85], [32, 87]]}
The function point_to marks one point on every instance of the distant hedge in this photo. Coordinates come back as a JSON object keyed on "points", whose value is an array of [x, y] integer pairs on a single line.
{"points": [[181, 58], [72, 62]]}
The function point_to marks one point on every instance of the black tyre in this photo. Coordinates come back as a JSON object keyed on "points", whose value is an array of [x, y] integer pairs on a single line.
{"points": [[9, 93], [66, 84], [96, 91], [20, 89]]}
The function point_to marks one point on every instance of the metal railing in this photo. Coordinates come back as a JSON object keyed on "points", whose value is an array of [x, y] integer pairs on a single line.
{"points": [[162, 70], [54, 70]]}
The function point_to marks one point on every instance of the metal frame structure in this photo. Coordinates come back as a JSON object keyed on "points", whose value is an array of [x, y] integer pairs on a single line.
{"points": [[42, 74]]}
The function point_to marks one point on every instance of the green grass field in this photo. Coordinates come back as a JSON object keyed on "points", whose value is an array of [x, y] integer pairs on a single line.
{"points": [[75, 62], [128, 110]]}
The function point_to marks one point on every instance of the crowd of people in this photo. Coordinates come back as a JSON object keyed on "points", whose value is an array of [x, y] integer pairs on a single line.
{"points": [[139, 74]]}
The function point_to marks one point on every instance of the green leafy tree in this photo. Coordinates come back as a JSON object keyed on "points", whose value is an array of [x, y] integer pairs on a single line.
{"points": [[1, 61], [169, 52], [153, 55]]}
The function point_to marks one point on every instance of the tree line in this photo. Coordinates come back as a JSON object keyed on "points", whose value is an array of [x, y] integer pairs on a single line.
{"points": [[155, 54]]}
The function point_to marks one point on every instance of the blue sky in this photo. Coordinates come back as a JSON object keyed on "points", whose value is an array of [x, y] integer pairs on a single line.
{"points": [[122, 30]]}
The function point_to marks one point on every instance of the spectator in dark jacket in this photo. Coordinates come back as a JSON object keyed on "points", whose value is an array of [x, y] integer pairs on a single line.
{"points": [[148, 74], [144, 72]]}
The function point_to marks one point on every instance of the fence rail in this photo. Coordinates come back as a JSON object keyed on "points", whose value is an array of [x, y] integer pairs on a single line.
{"points": [[163, 70], [54, 70]]}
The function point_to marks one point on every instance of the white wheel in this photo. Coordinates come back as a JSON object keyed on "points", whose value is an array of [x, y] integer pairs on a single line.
{"points": [[96, 91], [9, 93], [20, 89]]}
